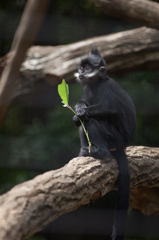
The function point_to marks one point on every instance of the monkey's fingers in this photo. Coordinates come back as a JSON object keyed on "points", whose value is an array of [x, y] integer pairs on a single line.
{"points": [[76, 120]]}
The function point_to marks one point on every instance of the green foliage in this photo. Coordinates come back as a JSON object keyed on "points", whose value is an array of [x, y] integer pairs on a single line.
{"points": [[143, 89], [12, 124], [40, 145], [36, 238], [77, 8], [85, 4], [9, 177]]}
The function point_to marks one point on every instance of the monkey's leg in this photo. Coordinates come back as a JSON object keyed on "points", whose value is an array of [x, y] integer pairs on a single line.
{"points": [[84, 150], [99, 148]]}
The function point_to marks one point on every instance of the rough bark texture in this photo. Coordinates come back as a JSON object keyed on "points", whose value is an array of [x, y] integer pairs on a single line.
{"points": [[24, 36], [125, 51], [29, 207], [139, 11]]}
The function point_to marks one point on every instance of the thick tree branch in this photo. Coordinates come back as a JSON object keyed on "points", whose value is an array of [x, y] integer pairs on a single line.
{"points": [[24, 36], [29, 207], [124, 52], [139, 11]]}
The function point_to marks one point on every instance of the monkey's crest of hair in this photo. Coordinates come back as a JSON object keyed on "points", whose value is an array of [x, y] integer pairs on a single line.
{"points": [[94, 59]]}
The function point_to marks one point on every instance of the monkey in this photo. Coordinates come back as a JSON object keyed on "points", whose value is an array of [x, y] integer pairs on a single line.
{"points": [[109, 117]]}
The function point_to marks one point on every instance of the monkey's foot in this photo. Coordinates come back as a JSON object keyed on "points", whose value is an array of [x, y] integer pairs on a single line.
{"points": [[84, 152], [95, 152]]}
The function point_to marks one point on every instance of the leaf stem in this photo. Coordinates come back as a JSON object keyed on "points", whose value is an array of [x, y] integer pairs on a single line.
{"points": [[89, 143]]}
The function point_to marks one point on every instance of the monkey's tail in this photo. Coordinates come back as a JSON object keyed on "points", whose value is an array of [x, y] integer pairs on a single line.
{"points": [[122, 196]]}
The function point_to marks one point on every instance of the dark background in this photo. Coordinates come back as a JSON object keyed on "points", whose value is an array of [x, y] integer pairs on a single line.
{"points": [[39, 135]]}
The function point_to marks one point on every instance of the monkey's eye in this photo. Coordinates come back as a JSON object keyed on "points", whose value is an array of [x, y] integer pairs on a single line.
{"points": [[81, 68], [87, 68]]}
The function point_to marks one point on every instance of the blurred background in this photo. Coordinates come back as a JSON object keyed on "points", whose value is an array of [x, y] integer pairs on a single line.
{"points": [[39, 135]]}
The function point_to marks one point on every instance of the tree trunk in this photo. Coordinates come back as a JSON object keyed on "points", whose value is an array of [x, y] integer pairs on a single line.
{"points": [[29, 207], [138, 11]]}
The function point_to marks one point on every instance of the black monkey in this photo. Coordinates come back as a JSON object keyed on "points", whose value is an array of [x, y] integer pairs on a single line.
{"points": [[109, 117]]}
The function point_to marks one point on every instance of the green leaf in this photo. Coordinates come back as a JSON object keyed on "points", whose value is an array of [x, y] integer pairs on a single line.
{"points": [[63, 91]]}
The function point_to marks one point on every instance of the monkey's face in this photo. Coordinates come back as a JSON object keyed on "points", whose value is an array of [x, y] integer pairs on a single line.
{"points": [[86, 73]]}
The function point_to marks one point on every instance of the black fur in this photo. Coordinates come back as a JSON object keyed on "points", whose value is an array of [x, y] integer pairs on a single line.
{"points": [[109, 117]]}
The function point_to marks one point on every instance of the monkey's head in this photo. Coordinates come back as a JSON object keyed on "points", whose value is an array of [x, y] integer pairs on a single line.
{"points": [[91, 67]]}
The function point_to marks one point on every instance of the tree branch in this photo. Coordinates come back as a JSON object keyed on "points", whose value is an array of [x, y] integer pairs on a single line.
{"points": [[29, 207], [124, 52], [139, 11]]}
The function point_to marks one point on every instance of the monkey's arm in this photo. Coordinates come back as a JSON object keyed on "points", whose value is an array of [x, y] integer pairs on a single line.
{"points": [[84, 112], [103, 112]]}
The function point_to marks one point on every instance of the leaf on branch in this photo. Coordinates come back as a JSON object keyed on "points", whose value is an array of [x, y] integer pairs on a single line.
{"points": [[63, 91]]}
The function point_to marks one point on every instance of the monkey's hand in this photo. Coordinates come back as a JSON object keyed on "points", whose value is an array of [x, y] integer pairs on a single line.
{"points": [[81, 111]]}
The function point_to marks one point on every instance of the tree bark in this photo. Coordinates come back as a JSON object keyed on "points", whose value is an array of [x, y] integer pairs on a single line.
{"points": [[124, 52], [29, 207], [138, 11], [24, 36]]}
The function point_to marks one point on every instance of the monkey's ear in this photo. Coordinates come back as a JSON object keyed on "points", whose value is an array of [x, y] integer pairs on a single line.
{"points": [[102, 71]]}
